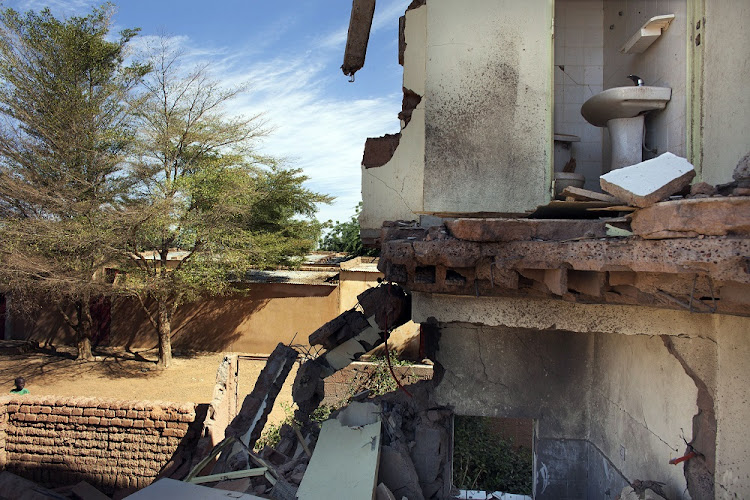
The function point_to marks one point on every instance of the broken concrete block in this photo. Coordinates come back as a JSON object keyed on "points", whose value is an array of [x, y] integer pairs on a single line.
{"points": [[741, 172], [702, 189], [525, 229], [580, 194], [648, 182], [358, 414], [319, 336], [431, 443], [249, 422], [339, 329], [629, 493], [241, 485], [690, 218], [84, 491], [383, 493], [397, 472], [170, 488], [358, 36], [390, 305], [344, 463]]}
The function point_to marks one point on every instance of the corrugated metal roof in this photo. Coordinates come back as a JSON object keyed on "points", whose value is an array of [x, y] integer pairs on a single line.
{"points": [[324, 278]]}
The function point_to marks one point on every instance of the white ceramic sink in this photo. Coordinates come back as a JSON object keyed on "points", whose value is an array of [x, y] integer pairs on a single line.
{"points": [[624, 102]]}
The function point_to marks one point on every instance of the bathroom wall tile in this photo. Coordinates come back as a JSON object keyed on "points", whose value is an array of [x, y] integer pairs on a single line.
{"points": [[574, 37], [593, 75], [592, 56], [574, 74], [575, 94], [574, 56]]}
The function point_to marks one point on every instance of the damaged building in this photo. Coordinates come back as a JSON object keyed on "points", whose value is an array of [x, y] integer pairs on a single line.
{"points": [[616, 323]]}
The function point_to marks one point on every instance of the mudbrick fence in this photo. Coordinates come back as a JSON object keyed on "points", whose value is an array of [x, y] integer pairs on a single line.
{"points": [[109, 443]]}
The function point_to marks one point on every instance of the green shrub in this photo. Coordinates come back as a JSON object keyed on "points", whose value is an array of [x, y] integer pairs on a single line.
{"points": [[484, 461]]}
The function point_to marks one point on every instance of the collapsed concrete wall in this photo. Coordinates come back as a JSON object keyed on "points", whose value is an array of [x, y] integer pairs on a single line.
{"points": [[109, 443]]}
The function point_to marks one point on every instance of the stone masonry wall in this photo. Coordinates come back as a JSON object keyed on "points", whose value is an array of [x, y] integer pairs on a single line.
{"points": [[109, 443]]}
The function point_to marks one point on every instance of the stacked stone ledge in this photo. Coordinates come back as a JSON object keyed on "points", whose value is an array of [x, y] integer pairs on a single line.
{"points": [[109, 443]]}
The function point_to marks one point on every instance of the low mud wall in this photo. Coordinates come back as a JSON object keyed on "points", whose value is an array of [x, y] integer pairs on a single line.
{"points": [[111, 444]]}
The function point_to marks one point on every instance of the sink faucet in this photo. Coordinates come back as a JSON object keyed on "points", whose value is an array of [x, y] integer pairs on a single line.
{"points": [[637, 80]]}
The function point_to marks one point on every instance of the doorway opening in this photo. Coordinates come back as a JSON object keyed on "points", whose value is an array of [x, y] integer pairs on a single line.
{"points": [[493, 455]]}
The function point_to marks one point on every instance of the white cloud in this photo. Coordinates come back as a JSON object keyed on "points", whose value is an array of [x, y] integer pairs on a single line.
{"points": [[321, 133]]}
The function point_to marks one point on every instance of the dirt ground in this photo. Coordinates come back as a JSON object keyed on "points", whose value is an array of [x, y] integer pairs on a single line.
{"points": [[129, 375]]}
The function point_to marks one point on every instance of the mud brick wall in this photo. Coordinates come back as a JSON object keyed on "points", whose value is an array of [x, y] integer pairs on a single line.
{"points": [[352, 379], [109, 443]]}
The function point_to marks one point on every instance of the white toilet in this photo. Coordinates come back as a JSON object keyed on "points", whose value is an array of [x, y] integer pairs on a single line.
{"points": [[562, 154]]}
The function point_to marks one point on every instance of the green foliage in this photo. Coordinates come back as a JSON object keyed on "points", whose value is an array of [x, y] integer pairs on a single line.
{"points": [[378, 380], [64, 131], [204, 196], [484, 461], [271, 434], [345, 237]]}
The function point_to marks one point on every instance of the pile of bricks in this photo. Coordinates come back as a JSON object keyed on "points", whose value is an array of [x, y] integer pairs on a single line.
{"points": [[109, 443]]}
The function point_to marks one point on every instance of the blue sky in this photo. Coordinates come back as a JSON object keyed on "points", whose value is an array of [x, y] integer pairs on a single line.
{"points": [[290, 52]]}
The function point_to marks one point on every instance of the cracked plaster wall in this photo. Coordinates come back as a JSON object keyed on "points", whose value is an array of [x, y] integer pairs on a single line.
{"points": [[642, 405], [624, 395], [632, 383], [394, 191], [733, 415]]}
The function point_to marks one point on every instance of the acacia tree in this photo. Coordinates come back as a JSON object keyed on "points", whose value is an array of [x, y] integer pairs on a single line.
{"points": [[345, 237], [203, 197], [64, 129]]}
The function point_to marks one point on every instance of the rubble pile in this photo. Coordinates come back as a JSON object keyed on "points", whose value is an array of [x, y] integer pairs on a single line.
{"points": [[391, 446]]}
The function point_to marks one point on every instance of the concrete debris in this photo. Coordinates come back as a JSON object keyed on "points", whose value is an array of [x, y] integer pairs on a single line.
{"points": [[648, 182], [702, 189], [346, 338], [741, 172], [693, 217], [248, 424], [580, 194], [345, 461], [486, 495], [240, 485], [383, 493], [525, 229], [397, 472], [170, 488], [630, 493], [358, 36], [84, 491]]}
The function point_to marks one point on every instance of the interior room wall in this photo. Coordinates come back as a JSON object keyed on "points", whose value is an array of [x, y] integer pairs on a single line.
{"points": [[578, 76], [663, 64]]}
